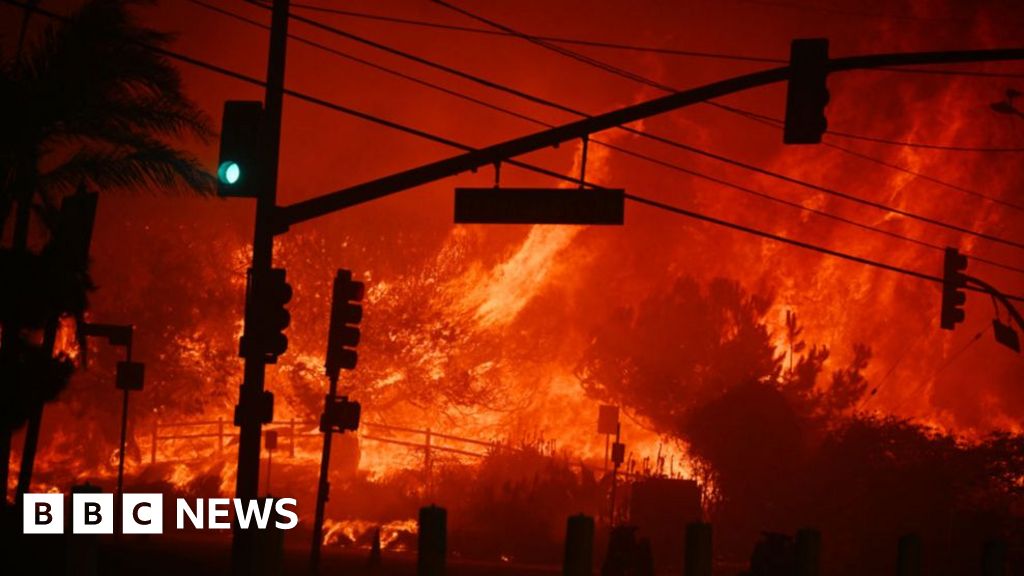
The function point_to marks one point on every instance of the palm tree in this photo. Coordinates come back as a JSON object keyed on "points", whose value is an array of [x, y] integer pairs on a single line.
{"points": [[91, 102], [88, 103]]}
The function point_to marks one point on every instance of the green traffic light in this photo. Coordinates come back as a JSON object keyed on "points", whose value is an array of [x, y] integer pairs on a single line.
{"points": [[229, 172]]}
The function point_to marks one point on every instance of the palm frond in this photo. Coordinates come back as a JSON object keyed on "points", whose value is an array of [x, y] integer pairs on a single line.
{"points": [[89, 102], [155, 167], [95, 68]]}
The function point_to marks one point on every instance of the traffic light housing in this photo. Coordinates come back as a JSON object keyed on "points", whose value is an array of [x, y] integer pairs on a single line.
{"points": [[340, 414], [239, 160], [259, 406], [807, 92], [270, 292], [953, 283], [346, 314]]}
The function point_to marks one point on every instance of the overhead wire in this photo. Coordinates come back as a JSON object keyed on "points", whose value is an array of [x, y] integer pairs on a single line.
{"points": [[623, 150], [632, 197], [778, 123], [621, 46], [556, 39], [766, 119]]}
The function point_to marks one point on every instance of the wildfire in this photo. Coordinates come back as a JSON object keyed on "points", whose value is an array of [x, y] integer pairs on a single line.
{"points": [[395, 535], [482, 349]]}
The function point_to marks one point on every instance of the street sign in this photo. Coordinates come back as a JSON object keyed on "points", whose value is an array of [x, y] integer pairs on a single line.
{"points": [[607, 419], [539, 206], [130, 376]]}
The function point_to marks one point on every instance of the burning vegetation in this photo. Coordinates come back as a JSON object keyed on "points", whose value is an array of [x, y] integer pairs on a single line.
{"points": [[788, 389]]}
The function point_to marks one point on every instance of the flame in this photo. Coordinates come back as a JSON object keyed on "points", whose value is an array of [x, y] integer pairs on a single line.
{"points": [[482, 347], [358, 533]]}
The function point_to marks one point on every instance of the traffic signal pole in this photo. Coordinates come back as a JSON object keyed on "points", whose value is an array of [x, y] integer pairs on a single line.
{"points": [[313, 208], [249, 417], [323, 486], [339, 415], [1015, 315]]}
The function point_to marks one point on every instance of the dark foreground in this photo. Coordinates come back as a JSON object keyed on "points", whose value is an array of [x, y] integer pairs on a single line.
{"points": [[209, 555]]}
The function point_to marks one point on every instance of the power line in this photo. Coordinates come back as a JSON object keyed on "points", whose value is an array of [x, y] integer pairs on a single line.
{"points": [[622, 46], [555, 39], [778, 123], [799, 206], [753, 231], [916, 174], [618, 71], [791, 241], [622, 72], [926, 145], [963, 349], [937, 371], [568, 109], [631, 197], [363, 61], [306, 97], [620, 149]]}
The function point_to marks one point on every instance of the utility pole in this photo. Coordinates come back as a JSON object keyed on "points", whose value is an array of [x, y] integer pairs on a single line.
{"points": [[323, 488], [252, 410]]}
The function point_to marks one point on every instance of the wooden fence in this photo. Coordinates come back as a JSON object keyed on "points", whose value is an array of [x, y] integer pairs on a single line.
{"points": [[222, 433]]}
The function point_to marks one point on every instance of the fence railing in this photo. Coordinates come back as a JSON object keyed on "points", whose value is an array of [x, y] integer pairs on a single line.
{"points": [[222, 433]]}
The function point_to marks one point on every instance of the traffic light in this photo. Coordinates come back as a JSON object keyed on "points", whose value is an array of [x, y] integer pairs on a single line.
{"points": [[807, 93], [259, 406], [239, 148], [270, 293], [340, 414], [346, 314], [953, 283]]}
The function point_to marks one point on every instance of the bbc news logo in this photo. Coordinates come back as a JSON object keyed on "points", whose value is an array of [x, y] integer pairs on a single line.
{"points": [[144, 513]]}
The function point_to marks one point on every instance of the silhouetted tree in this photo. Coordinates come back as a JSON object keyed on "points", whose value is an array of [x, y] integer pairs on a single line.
{"points": [[667, 354], [87, 103], [873, 479], [786, 448], [90, 102], [756, 444]]}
